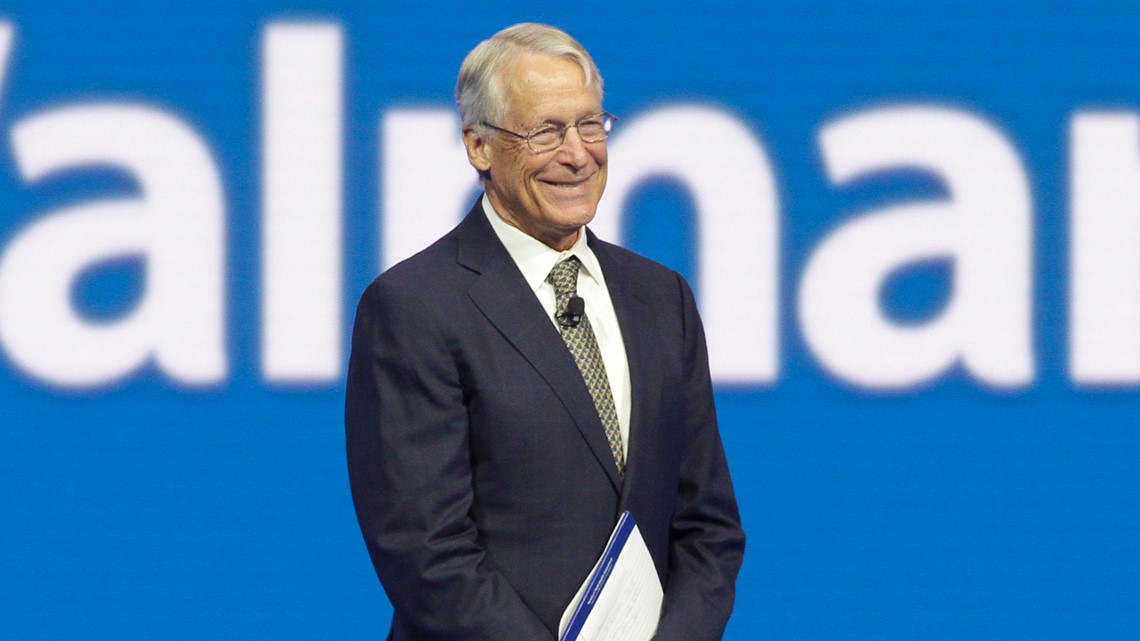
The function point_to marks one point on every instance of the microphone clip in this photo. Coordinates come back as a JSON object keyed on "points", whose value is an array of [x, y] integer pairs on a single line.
{"points": [[575, 310]]}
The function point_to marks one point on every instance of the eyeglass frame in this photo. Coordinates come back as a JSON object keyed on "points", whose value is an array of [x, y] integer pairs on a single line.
{"points": [[562, 131]]}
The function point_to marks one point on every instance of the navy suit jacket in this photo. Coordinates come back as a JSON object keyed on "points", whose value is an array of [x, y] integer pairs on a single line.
{"points": [[480, 471]]}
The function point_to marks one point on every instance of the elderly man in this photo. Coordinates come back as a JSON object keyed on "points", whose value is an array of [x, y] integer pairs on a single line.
{"points": [[517, 385]]}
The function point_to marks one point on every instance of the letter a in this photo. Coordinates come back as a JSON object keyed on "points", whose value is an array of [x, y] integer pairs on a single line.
{"points": [[175, 225], [983, 228]]}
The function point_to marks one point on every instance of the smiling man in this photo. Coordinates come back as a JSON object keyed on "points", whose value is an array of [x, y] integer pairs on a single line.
{"points": [[543, 184], [519, 384]]}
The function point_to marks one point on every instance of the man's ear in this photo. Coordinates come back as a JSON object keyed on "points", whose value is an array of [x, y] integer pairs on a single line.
{"points": [[478, 149]]}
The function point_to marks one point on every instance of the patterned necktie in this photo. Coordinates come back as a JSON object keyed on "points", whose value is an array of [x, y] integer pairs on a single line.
{"points": [[583, 346]]}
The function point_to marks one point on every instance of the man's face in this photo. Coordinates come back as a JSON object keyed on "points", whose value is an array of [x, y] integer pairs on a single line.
{"points": [[548, 195]]}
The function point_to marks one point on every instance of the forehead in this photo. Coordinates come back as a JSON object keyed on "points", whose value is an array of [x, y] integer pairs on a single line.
{"points": [[539, 87]]}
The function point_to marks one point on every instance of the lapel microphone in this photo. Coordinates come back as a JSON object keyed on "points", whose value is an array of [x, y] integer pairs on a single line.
{"points": [[575, 309]]}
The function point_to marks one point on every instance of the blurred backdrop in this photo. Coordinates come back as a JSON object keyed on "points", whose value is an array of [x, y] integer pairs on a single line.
{"points": [[913, 229]]}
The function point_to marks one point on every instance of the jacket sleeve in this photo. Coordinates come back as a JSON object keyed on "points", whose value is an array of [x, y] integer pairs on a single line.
{"points": [[409, 469], [706, 544]]}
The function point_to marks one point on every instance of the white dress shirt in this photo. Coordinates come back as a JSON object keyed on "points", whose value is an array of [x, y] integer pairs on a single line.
{"points": [[535, 260]]}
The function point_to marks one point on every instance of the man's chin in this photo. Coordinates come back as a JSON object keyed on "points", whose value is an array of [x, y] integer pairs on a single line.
{"points": [[571, 211], [572, 219]]}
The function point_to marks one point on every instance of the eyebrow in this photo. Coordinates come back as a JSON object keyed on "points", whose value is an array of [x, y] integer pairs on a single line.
{"points": [[560, 123]]}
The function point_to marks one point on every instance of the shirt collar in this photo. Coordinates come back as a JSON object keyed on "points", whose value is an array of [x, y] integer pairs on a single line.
{"points": [[534, 258]]}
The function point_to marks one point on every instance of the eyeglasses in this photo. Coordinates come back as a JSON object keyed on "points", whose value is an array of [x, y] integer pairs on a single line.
{"points": [[549, 136]]}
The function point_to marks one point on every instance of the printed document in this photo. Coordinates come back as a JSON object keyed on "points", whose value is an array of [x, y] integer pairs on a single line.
{"points": [[621, 598]]}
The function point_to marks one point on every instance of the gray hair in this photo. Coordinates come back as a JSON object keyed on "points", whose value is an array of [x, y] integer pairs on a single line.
{"points": [[479, 92]]}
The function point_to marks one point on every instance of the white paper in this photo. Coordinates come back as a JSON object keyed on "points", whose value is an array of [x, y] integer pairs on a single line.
{"points": [[628, 605]]}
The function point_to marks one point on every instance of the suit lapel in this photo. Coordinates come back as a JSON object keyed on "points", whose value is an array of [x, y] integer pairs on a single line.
{"points": [[638, 332], [503, 296]]}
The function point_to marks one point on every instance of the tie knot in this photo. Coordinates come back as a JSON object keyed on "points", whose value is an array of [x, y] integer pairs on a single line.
{"points": [[564, 278]]}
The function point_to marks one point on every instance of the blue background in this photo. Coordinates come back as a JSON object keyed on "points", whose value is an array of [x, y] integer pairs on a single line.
{"points": [[147, 510]]}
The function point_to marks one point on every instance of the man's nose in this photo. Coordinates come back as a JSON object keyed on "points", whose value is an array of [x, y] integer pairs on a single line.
{"points": [[573, 150]]}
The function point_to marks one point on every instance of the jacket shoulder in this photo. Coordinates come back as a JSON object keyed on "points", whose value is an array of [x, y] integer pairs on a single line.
{"points": [[634, 266]]}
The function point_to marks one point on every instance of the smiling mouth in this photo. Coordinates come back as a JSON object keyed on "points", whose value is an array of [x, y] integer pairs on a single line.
{"points": [[567, 184]]}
